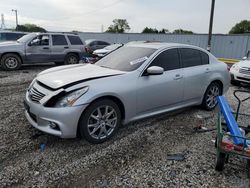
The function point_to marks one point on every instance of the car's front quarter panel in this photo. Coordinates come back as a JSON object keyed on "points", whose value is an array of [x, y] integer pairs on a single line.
{"points": [[122, 87]]}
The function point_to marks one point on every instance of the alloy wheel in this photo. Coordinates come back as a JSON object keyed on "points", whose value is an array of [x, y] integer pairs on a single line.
{"points": [[213, 92], [102, 122]]}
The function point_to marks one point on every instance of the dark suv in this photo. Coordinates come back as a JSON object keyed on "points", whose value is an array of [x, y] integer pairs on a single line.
{"points": [[41, 48]]}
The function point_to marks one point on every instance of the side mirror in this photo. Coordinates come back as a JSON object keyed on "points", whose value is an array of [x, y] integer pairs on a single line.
{"points": [[155, 70]]}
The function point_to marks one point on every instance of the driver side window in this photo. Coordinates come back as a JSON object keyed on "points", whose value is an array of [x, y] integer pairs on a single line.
{"points": [[40, 40], [168, 60]]}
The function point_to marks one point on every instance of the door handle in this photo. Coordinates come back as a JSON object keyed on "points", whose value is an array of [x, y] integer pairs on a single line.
{"points": [[177, 77], [66, 47], [45, 48]]}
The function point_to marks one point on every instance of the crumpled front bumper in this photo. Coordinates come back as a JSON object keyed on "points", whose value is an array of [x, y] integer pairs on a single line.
{"points": [[66, 118]]}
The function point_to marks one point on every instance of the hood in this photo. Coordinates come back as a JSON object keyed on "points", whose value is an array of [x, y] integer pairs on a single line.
{"points": [[69, 74], [9, 43], [244, 63]]}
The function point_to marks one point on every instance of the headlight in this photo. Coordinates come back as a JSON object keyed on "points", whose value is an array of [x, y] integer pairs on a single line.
{"points": [[70, 98], [235, 68], [31, 84]]}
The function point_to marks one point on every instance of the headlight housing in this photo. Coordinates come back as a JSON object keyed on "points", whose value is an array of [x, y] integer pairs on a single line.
{"points": [[235, 67], [70, 98]]}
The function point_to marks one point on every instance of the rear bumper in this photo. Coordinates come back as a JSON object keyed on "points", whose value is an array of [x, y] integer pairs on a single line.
{"points": [[66, 118]]}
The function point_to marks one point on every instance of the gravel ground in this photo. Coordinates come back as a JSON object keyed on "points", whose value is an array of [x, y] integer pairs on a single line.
{"points": [[135, 157]]}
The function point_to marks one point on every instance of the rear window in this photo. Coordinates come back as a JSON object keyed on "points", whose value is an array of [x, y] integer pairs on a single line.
{"points": [[190, 57], [59, 40], [204, 58], [75, 40], [102, 43], [11, 36], [126, 58]]}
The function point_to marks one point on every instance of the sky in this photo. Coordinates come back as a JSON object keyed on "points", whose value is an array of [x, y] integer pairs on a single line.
{"points": [[93, 15]]}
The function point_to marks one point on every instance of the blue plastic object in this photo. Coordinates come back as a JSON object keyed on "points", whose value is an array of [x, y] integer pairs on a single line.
{"points": [[230, 120]]}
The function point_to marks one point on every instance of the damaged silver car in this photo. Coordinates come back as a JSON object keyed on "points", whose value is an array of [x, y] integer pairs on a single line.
{"points": [[133, 82]]}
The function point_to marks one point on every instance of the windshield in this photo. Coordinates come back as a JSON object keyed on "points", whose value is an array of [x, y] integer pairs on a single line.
{"points": [[26, 38], [126, 58]]}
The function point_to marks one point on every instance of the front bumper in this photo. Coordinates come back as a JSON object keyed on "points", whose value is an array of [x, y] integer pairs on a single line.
{"points": [[240, 77], [65, 118]]}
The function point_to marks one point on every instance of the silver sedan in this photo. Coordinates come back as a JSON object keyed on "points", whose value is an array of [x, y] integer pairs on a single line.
{"points": [[131, 83]]}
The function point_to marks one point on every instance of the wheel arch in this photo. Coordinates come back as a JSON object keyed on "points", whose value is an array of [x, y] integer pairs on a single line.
{"points": [[218, 82], [16, 53], [114, 99]]}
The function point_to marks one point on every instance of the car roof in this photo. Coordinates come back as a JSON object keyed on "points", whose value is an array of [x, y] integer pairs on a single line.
{"points": [[158, 45]]}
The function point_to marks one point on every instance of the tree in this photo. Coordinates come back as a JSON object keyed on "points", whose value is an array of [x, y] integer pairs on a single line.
{"points": [[154, 30], [181, 31], [118, 26], [242, 27], [30, 28], [164, 31], [150, 30]]}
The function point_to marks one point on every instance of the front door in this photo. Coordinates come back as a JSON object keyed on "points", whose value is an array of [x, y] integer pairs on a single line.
{"points": [[39, 50], [157, 92]]}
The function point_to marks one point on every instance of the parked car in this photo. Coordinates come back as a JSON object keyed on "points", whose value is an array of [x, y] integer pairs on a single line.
{"points": [[133, 82], [240, 72], [10, 35], [93, 44], [41, 48], [102, 52]]}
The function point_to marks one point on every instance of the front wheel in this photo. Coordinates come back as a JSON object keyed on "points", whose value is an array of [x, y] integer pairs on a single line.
{"points": [[11, 62], [71, 59], [209, 100], [100, 121]]}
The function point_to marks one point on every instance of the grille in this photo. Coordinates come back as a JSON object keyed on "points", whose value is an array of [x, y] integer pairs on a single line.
{"points": [[35, 95], [245, 71]]}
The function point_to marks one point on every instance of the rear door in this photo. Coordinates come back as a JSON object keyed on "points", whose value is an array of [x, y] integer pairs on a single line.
{"points": [[196, 72], [156, 92], [59, 47], [38, 50]]}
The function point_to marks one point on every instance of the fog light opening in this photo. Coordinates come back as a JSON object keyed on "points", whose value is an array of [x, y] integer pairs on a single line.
{"points": [[53, 125]]}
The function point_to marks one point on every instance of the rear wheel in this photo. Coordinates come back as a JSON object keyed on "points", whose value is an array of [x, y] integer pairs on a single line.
{"points": [[71, 59], [100, 121], [209, 100], [11, 62]]}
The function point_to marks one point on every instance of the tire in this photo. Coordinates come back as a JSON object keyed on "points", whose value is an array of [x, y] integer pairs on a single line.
{"points": [[235, 82], [11, 62], [248, 168], [71, 59], [97, 118], [209, 100], [220, 162]]}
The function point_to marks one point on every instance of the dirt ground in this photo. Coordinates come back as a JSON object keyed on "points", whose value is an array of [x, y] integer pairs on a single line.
{"points": [[135, 157]]}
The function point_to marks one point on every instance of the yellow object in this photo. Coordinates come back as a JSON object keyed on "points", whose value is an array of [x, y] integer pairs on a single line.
{"points": [[229, 61]]}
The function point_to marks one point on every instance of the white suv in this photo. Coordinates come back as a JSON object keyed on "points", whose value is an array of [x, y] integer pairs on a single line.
{"points": [[240, 72]]}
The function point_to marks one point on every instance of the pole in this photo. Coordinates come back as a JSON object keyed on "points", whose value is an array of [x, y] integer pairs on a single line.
{"points": [[210, 26], [14, 10]]}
